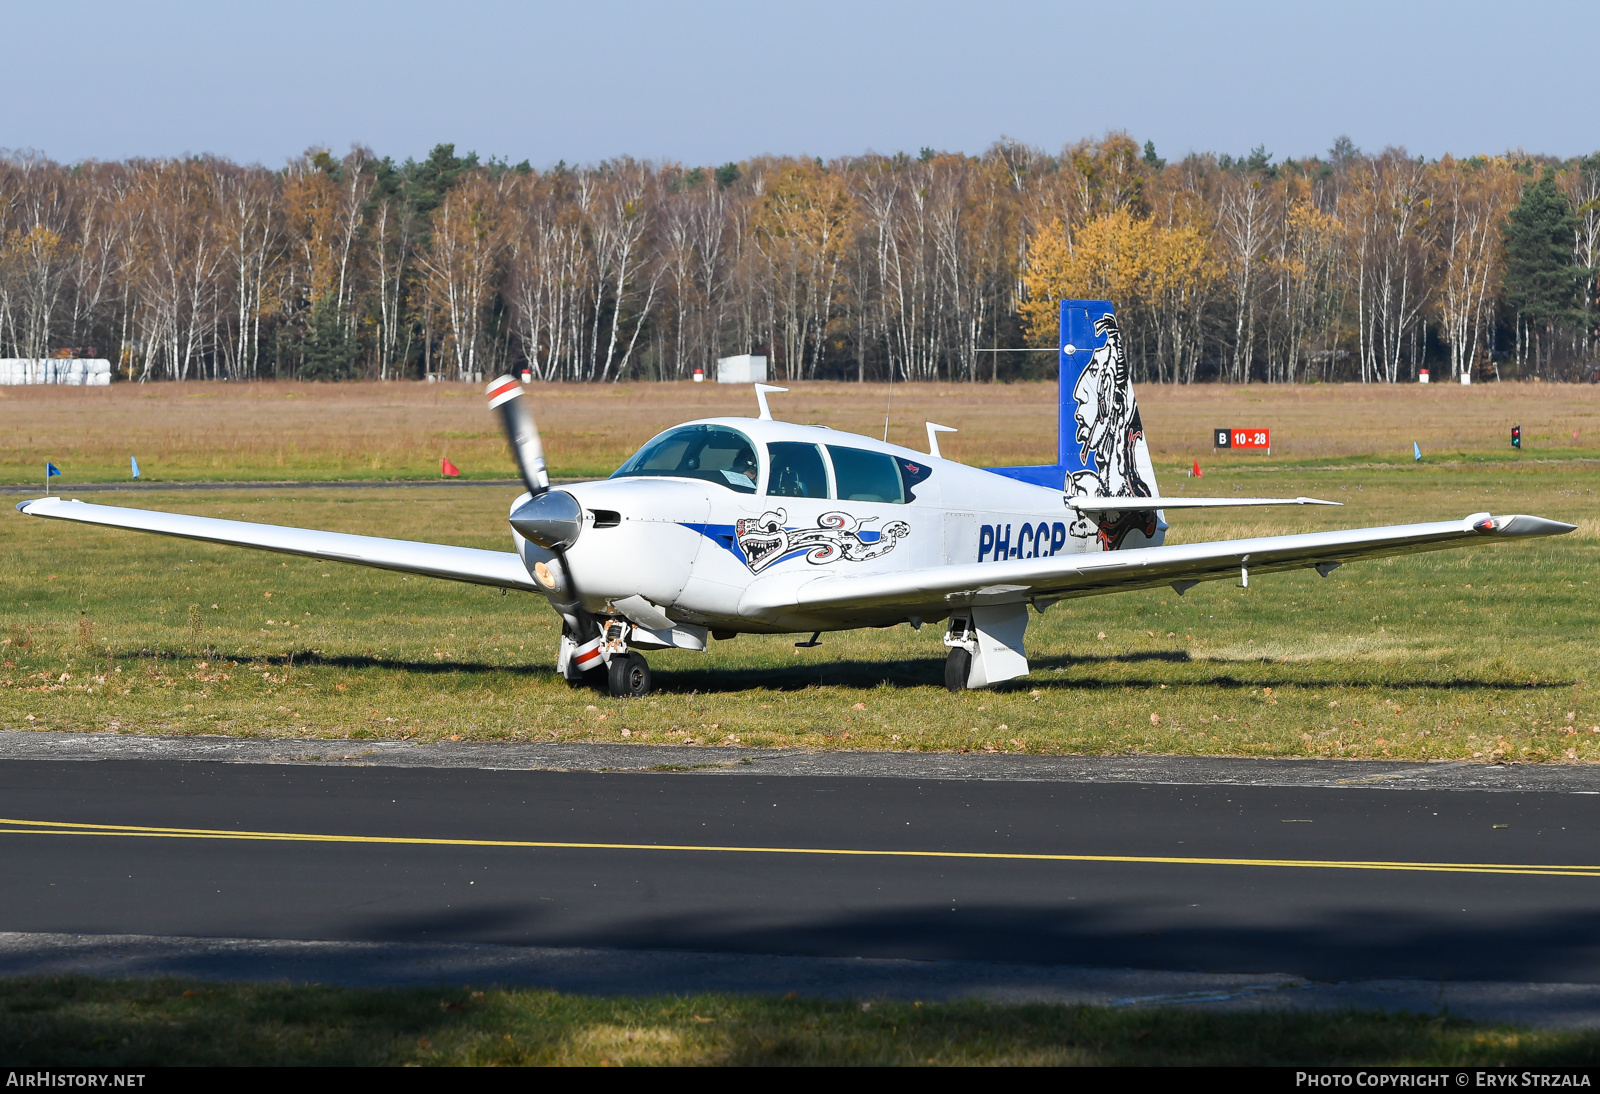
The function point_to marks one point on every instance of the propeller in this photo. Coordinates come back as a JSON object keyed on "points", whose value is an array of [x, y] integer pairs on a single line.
{"points": [[551, 518]]}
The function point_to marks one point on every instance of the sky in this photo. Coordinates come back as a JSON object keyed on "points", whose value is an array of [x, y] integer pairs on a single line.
{"points": [[712, 82]]}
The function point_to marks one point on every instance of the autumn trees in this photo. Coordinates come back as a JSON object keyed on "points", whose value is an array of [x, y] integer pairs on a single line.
{"points": [[1353, 267]]}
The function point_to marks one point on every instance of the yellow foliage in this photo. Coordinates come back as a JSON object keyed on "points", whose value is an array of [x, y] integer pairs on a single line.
{"points": [[1131, 261], [811, 207]]}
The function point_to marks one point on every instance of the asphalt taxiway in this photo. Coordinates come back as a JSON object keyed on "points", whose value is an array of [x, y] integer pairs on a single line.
{"points": [[1204, 877], [1328, 881]]}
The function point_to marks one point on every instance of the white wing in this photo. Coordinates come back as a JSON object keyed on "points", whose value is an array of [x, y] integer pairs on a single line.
{"points": [[1145, 505], [500, 568], [940, 588]]}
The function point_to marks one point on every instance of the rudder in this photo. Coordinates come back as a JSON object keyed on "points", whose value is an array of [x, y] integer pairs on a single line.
{"points": [[1100, 443]]}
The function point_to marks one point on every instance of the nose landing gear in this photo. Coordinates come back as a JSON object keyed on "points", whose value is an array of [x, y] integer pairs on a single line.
{"points": [[628, 676]]}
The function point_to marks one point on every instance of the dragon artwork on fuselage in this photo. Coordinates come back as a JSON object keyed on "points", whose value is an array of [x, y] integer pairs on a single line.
{"points": [[764, 539], [1109, 429]]}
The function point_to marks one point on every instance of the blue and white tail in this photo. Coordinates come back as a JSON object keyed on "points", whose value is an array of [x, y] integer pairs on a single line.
{"points": [[1100, 444]]}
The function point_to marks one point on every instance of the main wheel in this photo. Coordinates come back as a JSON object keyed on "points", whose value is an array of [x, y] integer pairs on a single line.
{"points": [[956, 669], [628, 677]]}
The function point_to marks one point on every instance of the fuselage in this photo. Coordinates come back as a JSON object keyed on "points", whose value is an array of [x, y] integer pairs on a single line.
{"points": [[695, 538]]}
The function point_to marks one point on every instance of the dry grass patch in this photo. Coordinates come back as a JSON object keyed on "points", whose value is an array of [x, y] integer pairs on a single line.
{"points": [[399, 430]]}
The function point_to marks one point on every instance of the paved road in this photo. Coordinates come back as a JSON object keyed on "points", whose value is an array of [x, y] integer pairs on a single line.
{"points": [[1178, 877]]}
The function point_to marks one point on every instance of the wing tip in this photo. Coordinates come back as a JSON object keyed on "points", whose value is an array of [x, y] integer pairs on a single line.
{"points": [[1519, 524]]}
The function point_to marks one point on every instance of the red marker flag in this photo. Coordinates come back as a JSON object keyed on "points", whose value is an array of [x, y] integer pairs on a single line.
{"points": [[448, 469], [1197, 472]]}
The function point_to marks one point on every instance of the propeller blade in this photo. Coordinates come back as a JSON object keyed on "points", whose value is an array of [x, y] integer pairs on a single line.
{"points": [[505, 395]]}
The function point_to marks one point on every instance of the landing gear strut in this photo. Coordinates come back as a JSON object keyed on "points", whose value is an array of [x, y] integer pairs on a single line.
{"points": [[628, 676]]}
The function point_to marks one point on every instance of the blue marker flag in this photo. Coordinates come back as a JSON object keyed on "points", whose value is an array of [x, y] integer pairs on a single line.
{"points": [[135, 461], [1416, 451], [51, 469]]}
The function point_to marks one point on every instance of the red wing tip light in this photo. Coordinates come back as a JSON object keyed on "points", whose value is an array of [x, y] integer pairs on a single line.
{"points": [[1519, 525]]}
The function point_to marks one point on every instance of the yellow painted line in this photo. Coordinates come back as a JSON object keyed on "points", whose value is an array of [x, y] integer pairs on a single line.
{"points": [[70, 828]]}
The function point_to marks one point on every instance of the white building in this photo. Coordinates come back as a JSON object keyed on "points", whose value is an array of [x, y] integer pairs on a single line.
{"points": [[747, 368], [75, 371]]}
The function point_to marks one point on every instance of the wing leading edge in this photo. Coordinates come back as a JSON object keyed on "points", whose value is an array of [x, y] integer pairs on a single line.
{"points": [[1180, 566], [499, 568]]}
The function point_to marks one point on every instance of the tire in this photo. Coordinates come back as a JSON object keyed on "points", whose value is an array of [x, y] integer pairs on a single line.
{"points": [[628, 677], [956, 669]]}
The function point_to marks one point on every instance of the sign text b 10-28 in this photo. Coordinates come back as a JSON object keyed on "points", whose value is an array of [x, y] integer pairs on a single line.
{"points": [[1242, 438]]}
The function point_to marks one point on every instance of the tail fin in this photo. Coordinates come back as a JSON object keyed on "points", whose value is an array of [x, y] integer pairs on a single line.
{"points": [[1100, 435], [1100, 444]]}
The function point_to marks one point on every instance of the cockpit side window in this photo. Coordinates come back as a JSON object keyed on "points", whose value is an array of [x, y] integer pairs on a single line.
{"points": [[866, 476], [911, 473], [795, 470], [712, 453]]}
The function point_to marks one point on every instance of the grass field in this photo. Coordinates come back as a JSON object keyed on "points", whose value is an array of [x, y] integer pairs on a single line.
{"points": [[1486, 653], [140, 1023]]}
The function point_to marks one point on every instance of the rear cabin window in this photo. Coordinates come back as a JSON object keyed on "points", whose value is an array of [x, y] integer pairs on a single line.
{"points": [[795, 470], [866, 476], [712, 453]]}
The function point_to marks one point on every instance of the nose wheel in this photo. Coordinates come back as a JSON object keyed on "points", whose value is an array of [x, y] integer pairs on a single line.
{"points": [[628, 676]]}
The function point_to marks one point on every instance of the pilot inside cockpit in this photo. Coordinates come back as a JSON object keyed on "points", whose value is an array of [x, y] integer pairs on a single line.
{"points": [[711, 453]]}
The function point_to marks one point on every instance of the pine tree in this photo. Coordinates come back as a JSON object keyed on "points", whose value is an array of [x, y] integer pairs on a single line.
{"points": [[330, 351], [1541, 282]]}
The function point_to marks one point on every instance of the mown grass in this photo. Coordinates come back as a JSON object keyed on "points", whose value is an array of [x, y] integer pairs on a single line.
{"points": [[1486, 653], [77, 1021]]}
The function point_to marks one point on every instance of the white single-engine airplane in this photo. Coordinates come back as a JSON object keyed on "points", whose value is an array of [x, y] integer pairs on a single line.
{"points": [[731, 525]]}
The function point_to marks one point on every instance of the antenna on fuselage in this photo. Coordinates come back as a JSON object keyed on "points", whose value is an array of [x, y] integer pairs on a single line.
{"points": [[934, 429], [761, 399], [889, 404]]}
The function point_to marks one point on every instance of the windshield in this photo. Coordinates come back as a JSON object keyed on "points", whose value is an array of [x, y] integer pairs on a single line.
{"points": [[708, 452]]}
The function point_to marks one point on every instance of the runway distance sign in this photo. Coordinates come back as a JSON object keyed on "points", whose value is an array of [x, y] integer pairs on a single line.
{"points": [[1242, 438]]}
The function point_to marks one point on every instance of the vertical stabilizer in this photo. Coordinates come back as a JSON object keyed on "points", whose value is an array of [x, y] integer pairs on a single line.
{"points": [[1100, 443], [1100, 440]]}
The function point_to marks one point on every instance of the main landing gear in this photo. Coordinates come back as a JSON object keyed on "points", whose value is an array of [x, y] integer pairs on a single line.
{"points": [[957, 667]]}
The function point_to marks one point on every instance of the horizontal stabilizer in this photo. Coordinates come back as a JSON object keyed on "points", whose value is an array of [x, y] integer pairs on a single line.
{"points": [[1129, 505], [500, 568]]}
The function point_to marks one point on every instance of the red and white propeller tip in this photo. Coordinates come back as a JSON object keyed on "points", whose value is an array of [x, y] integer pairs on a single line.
{"points": [[505, 395]]}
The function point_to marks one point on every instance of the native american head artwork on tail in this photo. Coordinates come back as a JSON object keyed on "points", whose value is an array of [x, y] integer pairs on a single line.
{"points": [[1110, 431]]}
